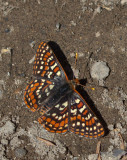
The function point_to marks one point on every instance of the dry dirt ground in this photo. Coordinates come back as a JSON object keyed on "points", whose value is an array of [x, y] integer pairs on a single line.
{"points": [[97, 31]]}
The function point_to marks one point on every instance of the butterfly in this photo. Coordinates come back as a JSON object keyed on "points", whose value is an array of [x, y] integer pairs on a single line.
{"points": [[62, 108]]}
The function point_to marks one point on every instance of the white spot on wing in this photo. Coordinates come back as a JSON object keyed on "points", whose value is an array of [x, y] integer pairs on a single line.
{"points": [[58, 73], [65, 104], [60, 118], [41, 67], [77, 100], [88, 116], [78, 123], [57, 106], [51, 87], [82, 109], [74, 111], [53, 66]]}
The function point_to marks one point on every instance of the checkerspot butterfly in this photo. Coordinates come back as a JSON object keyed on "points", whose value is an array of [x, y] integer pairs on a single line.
{"points": [[62, 107]]}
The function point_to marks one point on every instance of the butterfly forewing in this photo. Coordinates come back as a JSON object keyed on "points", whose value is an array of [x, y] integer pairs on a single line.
{"points": [[82, 119], [46, 64]]}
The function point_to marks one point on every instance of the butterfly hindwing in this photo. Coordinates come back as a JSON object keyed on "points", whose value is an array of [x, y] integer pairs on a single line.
{"points": [[82, 119], [56, 119], [37, 92]]}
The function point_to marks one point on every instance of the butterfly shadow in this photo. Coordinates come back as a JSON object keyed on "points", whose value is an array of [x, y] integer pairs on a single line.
{"points": [[67, 68], [62, 59]]}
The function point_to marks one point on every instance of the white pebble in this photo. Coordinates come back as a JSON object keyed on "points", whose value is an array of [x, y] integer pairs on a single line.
{"points": [[99, 70]]}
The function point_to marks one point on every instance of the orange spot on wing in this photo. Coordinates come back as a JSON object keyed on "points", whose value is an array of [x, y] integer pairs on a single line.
{"points": [[80, 105], [65, 130], [43, 118], [77, 132], [48, 119], [52, 62], [44, 59], [32, 97], [95, 136], [47, 129], [83, 119], [35, 106], [40, 120], [58, 131], [73, 118], [82, 134], [43, 73], [56, 125], [27, 104], [46, 68], [79, 117], [45, 63], [52, 131], [48, 82], [62, 124], [102, 133], [30, 94], [90, 122], [84, 113], [34, 101], [66, 120], [26, 87], [46, 56], [93, 120], [99, 135], [56, 69], [32, 109], [48, 53], [87, 123], [32, 89], [52, 122], [36, 84]]}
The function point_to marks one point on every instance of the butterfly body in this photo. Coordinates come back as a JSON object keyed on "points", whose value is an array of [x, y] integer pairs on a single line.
{"points": [[62, 107]]}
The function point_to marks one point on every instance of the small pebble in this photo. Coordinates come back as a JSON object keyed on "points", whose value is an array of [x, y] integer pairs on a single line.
{"points": [[20, 152], [99, 9], [97, 34], [58, 26], [110, 127], [6, 50], [8, 128], [123, 2], [32, 44], [4, 141], [73, 23], [99, 70]]}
